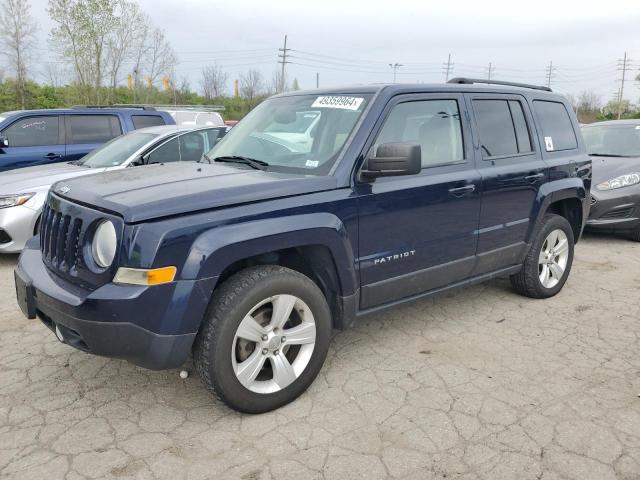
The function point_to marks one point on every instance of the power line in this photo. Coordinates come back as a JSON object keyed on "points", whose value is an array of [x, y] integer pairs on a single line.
{"points": [[447, 68], [490, 70], [550, 73], [283, 61], [623, 65], [395, 67]]}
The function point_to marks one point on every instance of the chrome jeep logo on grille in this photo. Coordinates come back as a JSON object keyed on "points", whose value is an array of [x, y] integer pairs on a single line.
{"points": [[64, 189]]}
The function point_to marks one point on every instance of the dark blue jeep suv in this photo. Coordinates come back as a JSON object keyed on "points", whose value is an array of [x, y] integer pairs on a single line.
{"points": [[38, 137], [250, 257]]}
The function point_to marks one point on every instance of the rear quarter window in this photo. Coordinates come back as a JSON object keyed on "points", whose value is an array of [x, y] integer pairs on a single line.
{"points": [[556, 125], [143, 121]]}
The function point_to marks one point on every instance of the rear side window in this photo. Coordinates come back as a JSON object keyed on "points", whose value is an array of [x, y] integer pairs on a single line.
{"points": [[556, 125], [503, 127], [92, 128], [33, 132], [142, 121], [497, 134], [191, 146]]}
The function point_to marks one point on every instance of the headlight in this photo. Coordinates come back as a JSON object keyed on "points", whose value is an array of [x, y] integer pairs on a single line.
{"points": [[619, 182], [105, 242], [7, 201]]}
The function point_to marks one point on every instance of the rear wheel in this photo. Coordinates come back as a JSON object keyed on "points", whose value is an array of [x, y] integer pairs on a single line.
{"points": [[264, 339], [548, 263]]}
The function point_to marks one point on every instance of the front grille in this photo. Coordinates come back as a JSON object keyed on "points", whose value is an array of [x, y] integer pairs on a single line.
{"points": [[60, 239], [4, 237], [66, 228], [618, 214]]}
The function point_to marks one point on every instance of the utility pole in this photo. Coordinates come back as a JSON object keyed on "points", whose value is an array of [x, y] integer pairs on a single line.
{"points": [[395, 67], [623, 65], [490, 71], [550, 73], [447, 68], [284, 51], [317, 79]]}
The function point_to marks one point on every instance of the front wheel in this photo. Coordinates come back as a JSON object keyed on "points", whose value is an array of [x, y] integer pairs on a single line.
{"points": [[548, 263], [264, 338], [635, 235]]}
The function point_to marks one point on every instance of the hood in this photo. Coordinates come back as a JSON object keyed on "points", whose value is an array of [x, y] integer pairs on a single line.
{"points": [[606, 168], [22, 180], [154, 191]]}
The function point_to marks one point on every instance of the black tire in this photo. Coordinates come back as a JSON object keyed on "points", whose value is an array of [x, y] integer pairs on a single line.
{"points": [[635, 235], [212, 351], [527, 281]]}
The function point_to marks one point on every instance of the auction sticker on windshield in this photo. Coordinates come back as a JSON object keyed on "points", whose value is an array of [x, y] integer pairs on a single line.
{"points": [[343, 102]]}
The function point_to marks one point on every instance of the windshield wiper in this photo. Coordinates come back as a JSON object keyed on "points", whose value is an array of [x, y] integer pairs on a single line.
{"points": [[609, 155], [252, 162]]}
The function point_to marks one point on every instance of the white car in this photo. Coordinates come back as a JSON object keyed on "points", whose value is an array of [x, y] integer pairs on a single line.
{"points": [[24, 191], [300, 131]]}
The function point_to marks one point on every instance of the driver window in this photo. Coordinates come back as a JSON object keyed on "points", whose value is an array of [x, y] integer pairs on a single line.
{"points": [[432, 124]]}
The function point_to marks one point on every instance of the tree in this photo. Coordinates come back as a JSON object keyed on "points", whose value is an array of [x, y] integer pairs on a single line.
{"points": [[610, 110], [251, 86], [213, 82], [587, 106], [161, 58], [277, 85], [82, 33], [122, 44], [295, 86], [17, 37]]}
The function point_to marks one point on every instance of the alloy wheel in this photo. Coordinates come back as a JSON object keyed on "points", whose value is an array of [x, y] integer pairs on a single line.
{"points": [[273, 344]]}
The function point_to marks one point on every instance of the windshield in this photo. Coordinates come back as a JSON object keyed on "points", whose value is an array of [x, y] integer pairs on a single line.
{"points": [[302, 133], [619, 140], [117, 151]]}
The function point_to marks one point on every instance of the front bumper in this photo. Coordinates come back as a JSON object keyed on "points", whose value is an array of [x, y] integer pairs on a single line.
{"points": [[153, 327], [615, 210], [18, 224]]}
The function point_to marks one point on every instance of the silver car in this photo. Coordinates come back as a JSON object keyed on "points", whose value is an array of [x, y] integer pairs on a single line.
{"points": [[23, 191]]}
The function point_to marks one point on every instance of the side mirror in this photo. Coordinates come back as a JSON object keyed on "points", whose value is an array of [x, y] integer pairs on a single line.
{"points": [[138, 161], [392, 160], [4, 142]]}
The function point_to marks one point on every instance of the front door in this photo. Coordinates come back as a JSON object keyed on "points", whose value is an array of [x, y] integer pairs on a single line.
{"points": [[418, 233], [512, 171]]}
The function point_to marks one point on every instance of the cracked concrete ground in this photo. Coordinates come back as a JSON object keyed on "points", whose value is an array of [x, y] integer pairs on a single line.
{"points": [[481, 384]]}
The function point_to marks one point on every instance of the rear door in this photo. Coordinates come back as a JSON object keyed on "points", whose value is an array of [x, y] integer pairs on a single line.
{"points": [[86, 132], [33, 140], [512, 172]]}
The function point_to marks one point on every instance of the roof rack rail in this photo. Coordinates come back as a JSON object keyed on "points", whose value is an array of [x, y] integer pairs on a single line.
{"points": [[470, 81], [201, 108], [139, 107]]}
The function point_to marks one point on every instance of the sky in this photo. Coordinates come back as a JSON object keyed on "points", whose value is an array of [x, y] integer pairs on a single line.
{"points": [[353, 42]]}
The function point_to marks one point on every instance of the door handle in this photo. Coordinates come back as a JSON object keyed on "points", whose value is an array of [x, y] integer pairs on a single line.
{"points": [[52, 156], [460, 192], [534, 178]]}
